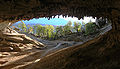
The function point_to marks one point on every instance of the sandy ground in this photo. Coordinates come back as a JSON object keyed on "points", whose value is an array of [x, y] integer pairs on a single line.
{"points": [[14, 60]]}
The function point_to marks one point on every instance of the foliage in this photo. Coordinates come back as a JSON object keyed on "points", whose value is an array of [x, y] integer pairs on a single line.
{"points": [[90, 28], [29, 29], [59, 31], [22, 26], [68, 28], [77, 26], [51, 32], [39, 30]]}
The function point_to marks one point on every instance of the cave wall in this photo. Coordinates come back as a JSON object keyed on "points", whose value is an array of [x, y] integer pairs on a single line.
{"points": [[102, 52], [28, 9]]}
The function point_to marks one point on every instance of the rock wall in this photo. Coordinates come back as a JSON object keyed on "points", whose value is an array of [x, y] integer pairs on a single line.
{"points": [[28, 9]]}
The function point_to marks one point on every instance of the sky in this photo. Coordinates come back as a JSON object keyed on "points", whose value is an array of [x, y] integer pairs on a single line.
{"points": [[61, 21], [86, 19]]}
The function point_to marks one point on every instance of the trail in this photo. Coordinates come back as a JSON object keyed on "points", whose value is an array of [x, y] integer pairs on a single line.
{"points": [[44, 54], [50, 50]]}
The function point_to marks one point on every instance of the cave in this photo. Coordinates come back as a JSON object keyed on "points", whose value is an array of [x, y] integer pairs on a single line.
{"points": [[99, 53]]}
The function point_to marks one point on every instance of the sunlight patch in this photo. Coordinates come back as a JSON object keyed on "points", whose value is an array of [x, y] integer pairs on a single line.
{"points": [[37, 60]]}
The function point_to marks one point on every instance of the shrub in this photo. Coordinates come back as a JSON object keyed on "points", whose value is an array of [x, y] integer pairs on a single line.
{"points": [[90, 28]]}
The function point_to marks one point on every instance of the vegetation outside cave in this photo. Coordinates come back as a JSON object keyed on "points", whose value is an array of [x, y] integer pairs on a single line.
{"points": [[51, 32]]}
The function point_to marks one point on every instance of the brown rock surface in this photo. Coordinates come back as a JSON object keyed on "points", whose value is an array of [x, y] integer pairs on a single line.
{"points": [[15, 39], [99, 53], [14, 42]]}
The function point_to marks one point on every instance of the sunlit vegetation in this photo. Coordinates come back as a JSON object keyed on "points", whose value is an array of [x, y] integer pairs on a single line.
{"points": [[55, 32]]}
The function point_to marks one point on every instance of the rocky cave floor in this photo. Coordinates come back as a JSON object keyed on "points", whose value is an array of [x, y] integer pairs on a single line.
{"points": [[30, 54]]}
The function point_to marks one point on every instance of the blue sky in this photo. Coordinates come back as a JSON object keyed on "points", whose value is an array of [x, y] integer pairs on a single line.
{"points": [[57, 21]]}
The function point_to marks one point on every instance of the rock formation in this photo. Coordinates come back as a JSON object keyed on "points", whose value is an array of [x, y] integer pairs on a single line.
{"points": [[100, 53], [9, 39]]}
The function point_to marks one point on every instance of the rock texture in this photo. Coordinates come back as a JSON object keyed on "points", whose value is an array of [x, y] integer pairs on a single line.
{"points": [[28, 9], [10, 41], [100, 53]]}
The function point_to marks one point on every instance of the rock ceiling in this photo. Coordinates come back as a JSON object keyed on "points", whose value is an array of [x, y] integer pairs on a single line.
{"points": [[27, 9]]}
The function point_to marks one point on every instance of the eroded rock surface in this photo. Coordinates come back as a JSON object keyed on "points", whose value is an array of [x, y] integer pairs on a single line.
{"points": [[10, 40]]}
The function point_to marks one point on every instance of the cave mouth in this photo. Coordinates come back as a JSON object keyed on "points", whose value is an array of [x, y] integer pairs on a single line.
{"points": [[61, 27], [99, 53]]}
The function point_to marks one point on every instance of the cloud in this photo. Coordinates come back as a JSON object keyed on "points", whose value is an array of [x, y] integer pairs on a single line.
{"points": [[87, 19], [75, 19]]}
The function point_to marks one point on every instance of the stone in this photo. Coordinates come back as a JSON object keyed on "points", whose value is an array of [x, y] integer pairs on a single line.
{"points": [[15, 47], [15, 39], [29, 40], [3, 61], [6, 49]]}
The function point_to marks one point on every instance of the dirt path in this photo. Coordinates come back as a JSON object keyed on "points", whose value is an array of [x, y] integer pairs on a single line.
{"points": [[14, 60], [50, 50]]}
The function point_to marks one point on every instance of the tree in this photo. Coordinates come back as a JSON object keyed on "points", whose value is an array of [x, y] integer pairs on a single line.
{"points": [[22, 26], [69, 23], [49, 30], [39, 30], [90, 28], [31, 29], [68, 28], [34, 29], [51, 35], [59, 31], [44, 31], [77, 26]]}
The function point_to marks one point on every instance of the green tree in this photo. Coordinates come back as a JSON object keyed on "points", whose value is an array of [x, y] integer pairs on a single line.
{"points": [[51, 35], [49, 30], [22, 26], [39, 30], [68, 28], [90, 28], [59, 31], [77, 26]]}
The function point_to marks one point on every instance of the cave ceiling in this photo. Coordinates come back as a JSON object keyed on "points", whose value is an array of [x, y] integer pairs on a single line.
{"points": [[28, 9]]}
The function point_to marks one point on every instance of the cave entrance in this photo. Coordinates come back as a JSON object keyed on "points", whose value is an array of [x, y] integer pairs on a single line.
{"points": [[63, 28]]}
